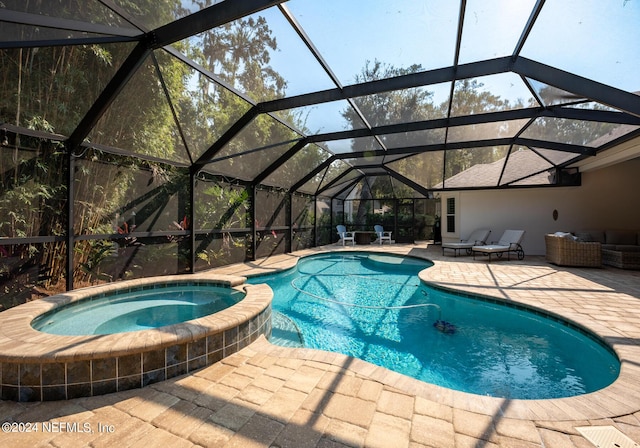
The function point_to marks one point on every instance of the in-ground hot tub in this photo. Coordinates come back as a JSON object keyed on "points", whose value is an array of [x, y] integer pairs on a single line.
{"points": [[38, 366]]}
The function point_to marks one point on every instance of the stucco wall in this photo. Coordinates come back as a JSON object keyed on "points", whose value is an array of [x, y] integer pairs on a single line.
{"points": [[608, 198]]}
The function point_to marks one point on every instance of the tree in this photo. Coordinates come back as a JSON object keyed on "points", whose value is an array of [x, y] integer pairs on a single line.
{"points": [[470, 99], [577, 132], [400, 106]]}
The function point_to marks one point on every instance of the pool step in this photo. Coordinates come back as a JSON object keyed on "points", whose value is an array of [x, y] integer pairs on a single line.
{"points": [[284, 332]]}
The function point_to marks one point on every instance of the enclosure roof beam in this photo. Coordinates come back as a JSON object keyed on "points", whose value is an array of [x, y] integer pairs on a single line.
{"points": [[318, 56], [312, 173], [334, 181], [400, 178], [308, 43], [209, 18], [190, 25], [44, 21], [582, 87], [96, 40], [279, 161], [337, 180], [489, 117], [214, 149], [347, 186], [138, 156], [108, 94], [564, 147], [556, 146], [209, 74], [470, 70], [528, 27]]}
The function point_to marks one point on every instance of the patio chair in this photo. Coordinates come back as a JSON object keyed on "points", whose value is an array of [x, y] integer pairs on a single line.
{"points": [[508, 242], [382, 235], [346, 236], [477, 238]]}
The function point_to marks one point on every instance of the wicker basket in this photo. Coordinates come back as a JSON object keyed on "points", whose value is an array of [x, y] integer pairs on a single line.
{"points": [[567, 252]]}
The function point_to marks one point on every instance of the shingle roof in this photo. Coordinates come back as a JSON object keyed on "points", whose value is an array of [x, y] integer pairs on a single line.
{"points": [[519, 166]]}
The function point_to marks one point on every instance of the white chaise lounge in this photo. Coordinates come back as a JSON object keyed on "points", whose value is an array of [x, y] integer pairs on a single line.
{"points": [[477, 238], [508, 242]]}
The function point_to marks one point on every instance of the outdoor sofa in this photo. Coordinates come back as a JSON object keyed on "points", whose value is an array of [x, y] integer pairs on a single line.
{"points": [[620, 248], [564, 249], [593, 248]]}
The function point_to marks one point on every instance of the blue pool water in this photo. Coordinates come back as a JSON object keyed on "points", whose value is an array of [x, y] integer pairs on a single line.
{"points": [[374, 307], [137, 309]]}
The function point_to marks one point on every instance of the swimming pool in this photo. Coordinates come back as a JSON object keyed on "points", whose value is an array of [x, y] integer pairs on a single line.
{"points": [[373, 307]]}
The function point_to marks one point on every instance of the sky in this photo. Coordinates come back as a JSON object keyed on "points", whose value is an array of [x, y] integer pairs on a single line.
{"points": [[597, 39], [403, 32]]}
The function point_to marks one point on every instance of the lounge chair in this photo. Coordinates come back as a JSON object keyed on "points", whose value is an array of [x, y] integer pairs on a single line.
{"points": [[346, 236], [477, 238], [382, 235], [508, 242]]}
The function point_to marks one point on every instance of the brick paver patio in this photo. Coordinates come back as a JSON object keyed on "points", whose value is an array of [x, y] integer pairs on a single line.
{"points": [[269, 396]]}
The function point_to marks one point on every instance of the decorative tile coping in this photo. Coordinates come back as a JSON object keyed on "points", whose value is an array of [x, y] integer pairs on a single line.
{"points": [[37, 366]]}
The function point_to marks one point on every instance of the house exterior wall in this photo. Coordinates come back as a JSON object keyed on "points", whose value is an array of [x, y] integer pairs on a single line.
{"points": [[608, 198]]}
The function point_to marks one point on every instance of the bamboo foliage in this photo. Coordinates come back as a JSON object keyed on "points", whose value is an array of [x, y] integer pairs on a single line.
{"points": [[32, 200]]}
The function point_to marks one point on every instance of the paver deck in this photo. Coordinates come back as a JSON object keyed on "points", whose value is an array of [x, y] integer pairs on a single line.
{"points": [[270, 396]]}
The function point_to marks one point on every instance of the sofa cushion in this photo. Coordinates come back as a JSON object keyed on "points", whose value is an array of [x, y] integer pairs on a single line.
{"points": [[567, 235], [590, 236], [627, 248], [621, 237]]}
